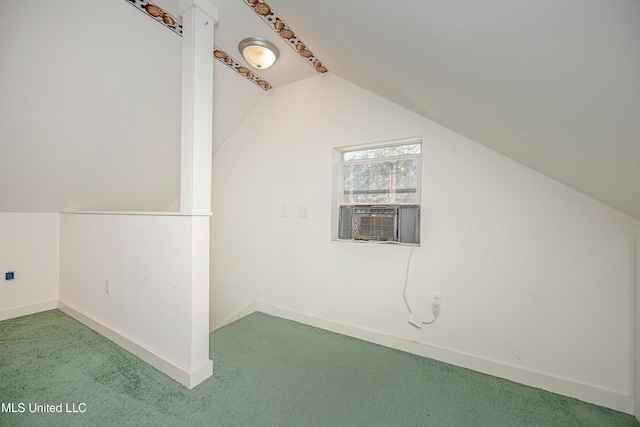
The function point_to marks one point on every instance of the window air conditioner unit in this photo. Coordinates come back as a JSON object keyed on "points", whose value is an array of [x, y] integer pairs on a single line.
{"points": [[391, 223]]}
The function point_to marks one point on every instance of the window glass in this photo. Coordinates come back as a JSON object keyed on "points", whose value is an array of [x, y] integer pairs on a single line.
{"points": [[381, 182], [381, 175]]}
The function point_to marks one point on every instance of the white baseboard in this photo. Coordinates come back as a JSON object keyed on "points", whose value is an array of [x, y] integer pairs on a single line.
{"points": [[185, 377], [566, 387], [25, 310], [252, 307], [563, 386]]}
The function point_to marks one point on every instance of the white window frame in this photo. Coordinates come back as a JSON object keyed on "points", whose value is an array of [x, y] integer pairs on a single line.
{"points": [[338, 198]]}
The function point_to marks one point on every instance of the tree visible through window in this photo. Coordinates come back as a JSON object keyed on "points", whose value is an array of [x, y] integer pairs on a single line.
{"points": [[381, 175]]}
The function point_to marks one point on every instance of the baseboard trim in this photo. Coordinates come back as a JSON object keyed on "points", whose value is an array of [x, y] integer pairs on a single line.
{"points": [[25, 310], [189, 379], [563, 386]]}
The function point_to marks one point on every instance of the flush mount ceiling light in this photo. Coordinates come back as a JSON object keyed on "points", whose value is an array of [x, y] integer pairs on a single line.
{"points": [[258, 52]]}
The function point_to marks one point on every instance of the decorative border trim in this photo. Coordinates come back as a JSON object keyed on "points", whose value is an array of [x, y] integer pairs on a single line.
{"points": [[158, 14], [245, 72], [266, 13], [175, 24]]}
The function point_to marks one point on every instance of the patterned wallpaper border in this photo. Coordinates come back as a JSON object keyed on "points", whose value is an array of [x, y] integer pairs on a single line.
{"points": [[158, 14], [232, 63], [277, 24], [175, 24]]}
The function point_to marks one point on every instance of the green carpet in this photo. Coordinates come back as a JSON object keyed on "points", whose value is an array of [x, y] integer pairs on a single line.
{"points": [[267, 372]]}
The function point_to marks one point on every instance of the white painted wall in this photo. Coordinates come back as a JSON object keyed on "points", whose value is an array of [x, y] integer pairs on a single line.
{"points": [[535, 276], [29, 246], [159, 291]]}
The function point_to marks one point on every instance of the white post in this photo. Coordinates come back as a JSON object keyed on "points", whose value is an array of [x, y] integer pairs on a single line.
{"points": [[637, 334], [198, 19]]}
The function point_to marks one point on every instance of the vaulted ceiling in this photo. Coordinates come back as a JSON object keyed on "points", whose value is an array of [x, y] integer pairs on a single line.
{"points": [[552, 85]]}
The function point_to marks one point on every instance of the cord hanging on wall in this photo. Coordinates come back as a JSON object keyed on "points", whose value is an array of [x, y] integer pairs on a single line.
{"points": [[414, 319]]}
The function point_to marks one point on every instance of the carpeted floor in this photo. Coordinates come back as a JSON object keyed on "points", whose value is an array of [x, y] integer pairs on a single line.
{"points": [[267, 372]]}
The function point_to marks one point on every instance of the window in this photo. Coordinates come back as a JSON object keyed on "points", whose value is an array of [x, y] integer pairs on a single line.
{"points": [[381, 175], [378, 192]]}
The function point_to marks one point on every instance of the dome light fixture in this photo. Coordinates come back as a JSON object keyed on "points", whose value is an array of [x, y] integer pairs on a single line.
{"points": [[258, 52]]}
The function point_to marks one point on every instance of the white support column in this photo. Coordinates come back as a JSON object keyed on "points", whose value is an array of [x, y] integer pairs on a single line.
{"points": [[198, 19], [637, 334]]}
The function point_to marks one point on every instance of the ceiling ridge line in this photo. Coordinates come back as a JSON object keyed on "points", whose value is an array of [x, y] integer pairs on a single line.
{"points": [[277, 24], [174, 24]]}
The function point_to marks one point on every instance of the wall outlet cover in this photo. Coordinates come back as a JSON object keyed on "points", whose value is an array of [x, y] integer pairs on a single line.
{"points": [[436, 299]]}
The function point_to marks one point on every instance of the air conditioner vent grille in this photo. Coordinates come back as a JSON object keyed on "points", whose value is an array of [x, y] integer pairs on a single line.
{"points": [[396, 223]]}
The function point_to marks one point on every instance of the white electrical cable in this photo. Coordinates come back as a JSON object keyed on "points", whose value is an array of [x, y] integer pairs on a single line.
{"points": [[434, 307], [406, 280]]}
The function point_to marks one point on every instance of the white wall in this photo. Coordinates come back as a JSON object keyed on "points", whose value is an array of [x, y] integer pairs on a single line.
{"points": [[535, 276], [29, 246], [158, 300]]}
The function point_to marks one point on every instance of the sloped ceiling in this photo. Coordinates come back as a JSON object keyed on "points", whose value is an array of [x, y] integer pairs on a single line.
{"points": [[553, 85], [90, 106]]}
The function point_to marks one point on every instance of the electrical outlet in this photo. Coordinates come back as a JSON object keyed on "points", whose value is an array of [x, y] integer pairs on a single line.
{"points": [[303, 212], [436, 304], [107, 286], [436, 299]]}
